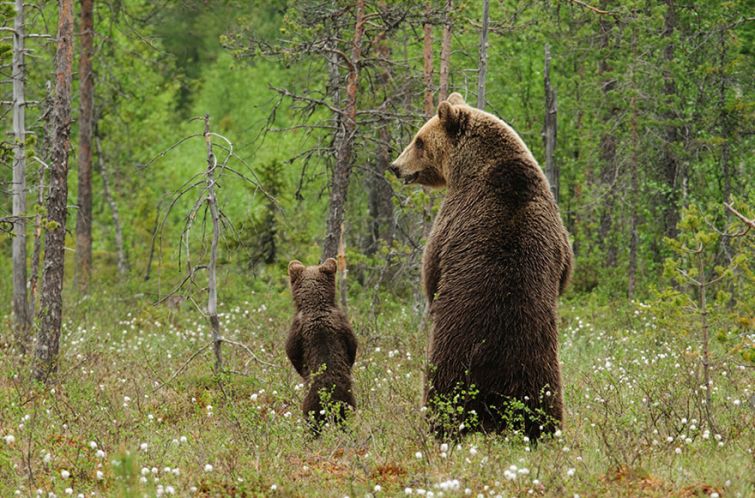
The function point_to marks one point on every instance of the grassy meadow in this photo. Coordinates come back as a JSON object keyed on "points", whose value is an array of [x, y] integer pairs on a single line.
{"points": [[120, 421]]}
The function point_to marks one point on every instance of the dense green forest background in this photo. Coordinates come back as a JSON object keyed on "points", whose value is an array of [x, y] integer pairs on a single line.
{"points": [[655, 117]]}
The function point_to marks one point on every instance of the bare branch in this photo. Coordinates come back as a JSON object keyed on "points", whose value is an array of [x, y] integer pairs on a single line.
{"points": [[183, 367], [590, 7], [248, 350], [750, 223], [309, 100]]}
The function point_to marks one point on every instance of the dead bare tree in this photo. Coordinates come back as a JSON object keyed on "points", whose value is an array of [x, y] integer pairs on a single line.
{"points": [[82, 275], [51, 303], [22, 320], [122, 261], [212, 279], [206, 183]]}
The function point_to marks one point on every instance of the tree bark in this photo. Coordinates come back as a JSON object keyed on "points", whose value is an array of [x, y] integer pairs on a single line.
{"points": [[634, 195], [427, 59], [445, 51], [119, 245], [669, 161], [22, 320], [212, 286], [44, 152], [725, 126], [703, 303], [483, 68], [86, 121], [342, 271], [380, 191], [37, 251], [345, 146], [51, 303], [550, 129], [608, 165]]}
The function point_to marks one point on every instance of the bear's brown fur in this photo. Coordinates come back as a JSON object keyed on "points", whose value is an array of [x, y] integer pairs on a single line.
{"points": [[495, 263], [321, 344]]}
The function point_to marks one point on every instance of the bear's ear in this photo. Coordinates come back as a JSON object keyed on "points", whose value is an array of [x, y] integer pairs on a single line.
{"points": [[295, 269], [451, 117], [455, 99], [329, 266]]}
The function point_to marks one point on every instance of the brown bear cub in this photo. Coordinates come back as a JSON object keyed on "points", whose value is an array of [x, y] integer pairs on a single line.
{"points": [[495, 263], [321, 345]]}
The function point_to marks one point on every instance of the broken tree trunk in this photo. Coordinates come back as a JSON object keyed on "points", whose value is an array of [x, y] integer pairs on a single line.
{"points": [[212, 285]]}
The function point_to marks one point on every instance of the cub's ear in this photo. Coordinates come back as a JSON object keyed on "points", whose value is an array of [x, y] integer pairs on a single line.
{"points": [[295, 269], [451, 117], [329, 266], [455, 99]]}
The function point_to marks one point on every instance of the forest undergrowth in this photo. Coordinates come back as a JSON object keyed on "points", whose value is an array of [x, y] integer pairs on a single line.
{"points": [[127, 416]]}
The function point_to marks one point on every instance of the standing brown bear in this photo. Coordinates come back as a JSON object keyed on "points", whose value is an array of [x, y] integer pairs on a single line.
{"points": [[321, 345], [495, 263]]}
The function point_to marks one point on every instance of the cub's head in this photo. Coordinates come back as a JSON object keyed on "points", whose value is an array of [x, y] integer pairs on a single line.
{"points": [[425, 160], [313, 286]]}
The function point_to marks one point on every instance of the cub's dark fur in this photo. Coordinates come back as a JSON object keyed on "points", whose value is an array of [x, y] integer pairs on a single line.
{"points": [[321, 344]]}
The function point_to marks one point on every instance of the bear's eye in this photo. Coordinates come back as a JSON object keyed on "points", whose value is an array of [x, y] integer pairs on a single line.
{"points": [[419, 143]]}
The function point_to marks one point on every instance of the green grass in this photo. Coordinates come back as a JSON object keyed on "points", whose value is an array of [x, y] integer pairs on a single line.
{"points": [[634, 424]]}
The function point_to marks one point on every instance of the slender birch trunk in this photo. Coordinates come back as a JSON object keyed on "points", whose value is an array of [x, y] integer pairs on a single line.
{"points": [[22, 320], [110, 199]]}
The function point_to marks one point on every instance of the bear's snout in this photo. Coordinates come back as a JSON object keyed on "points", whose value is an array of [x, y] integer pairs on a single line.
{"points": [[394, 169]]}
